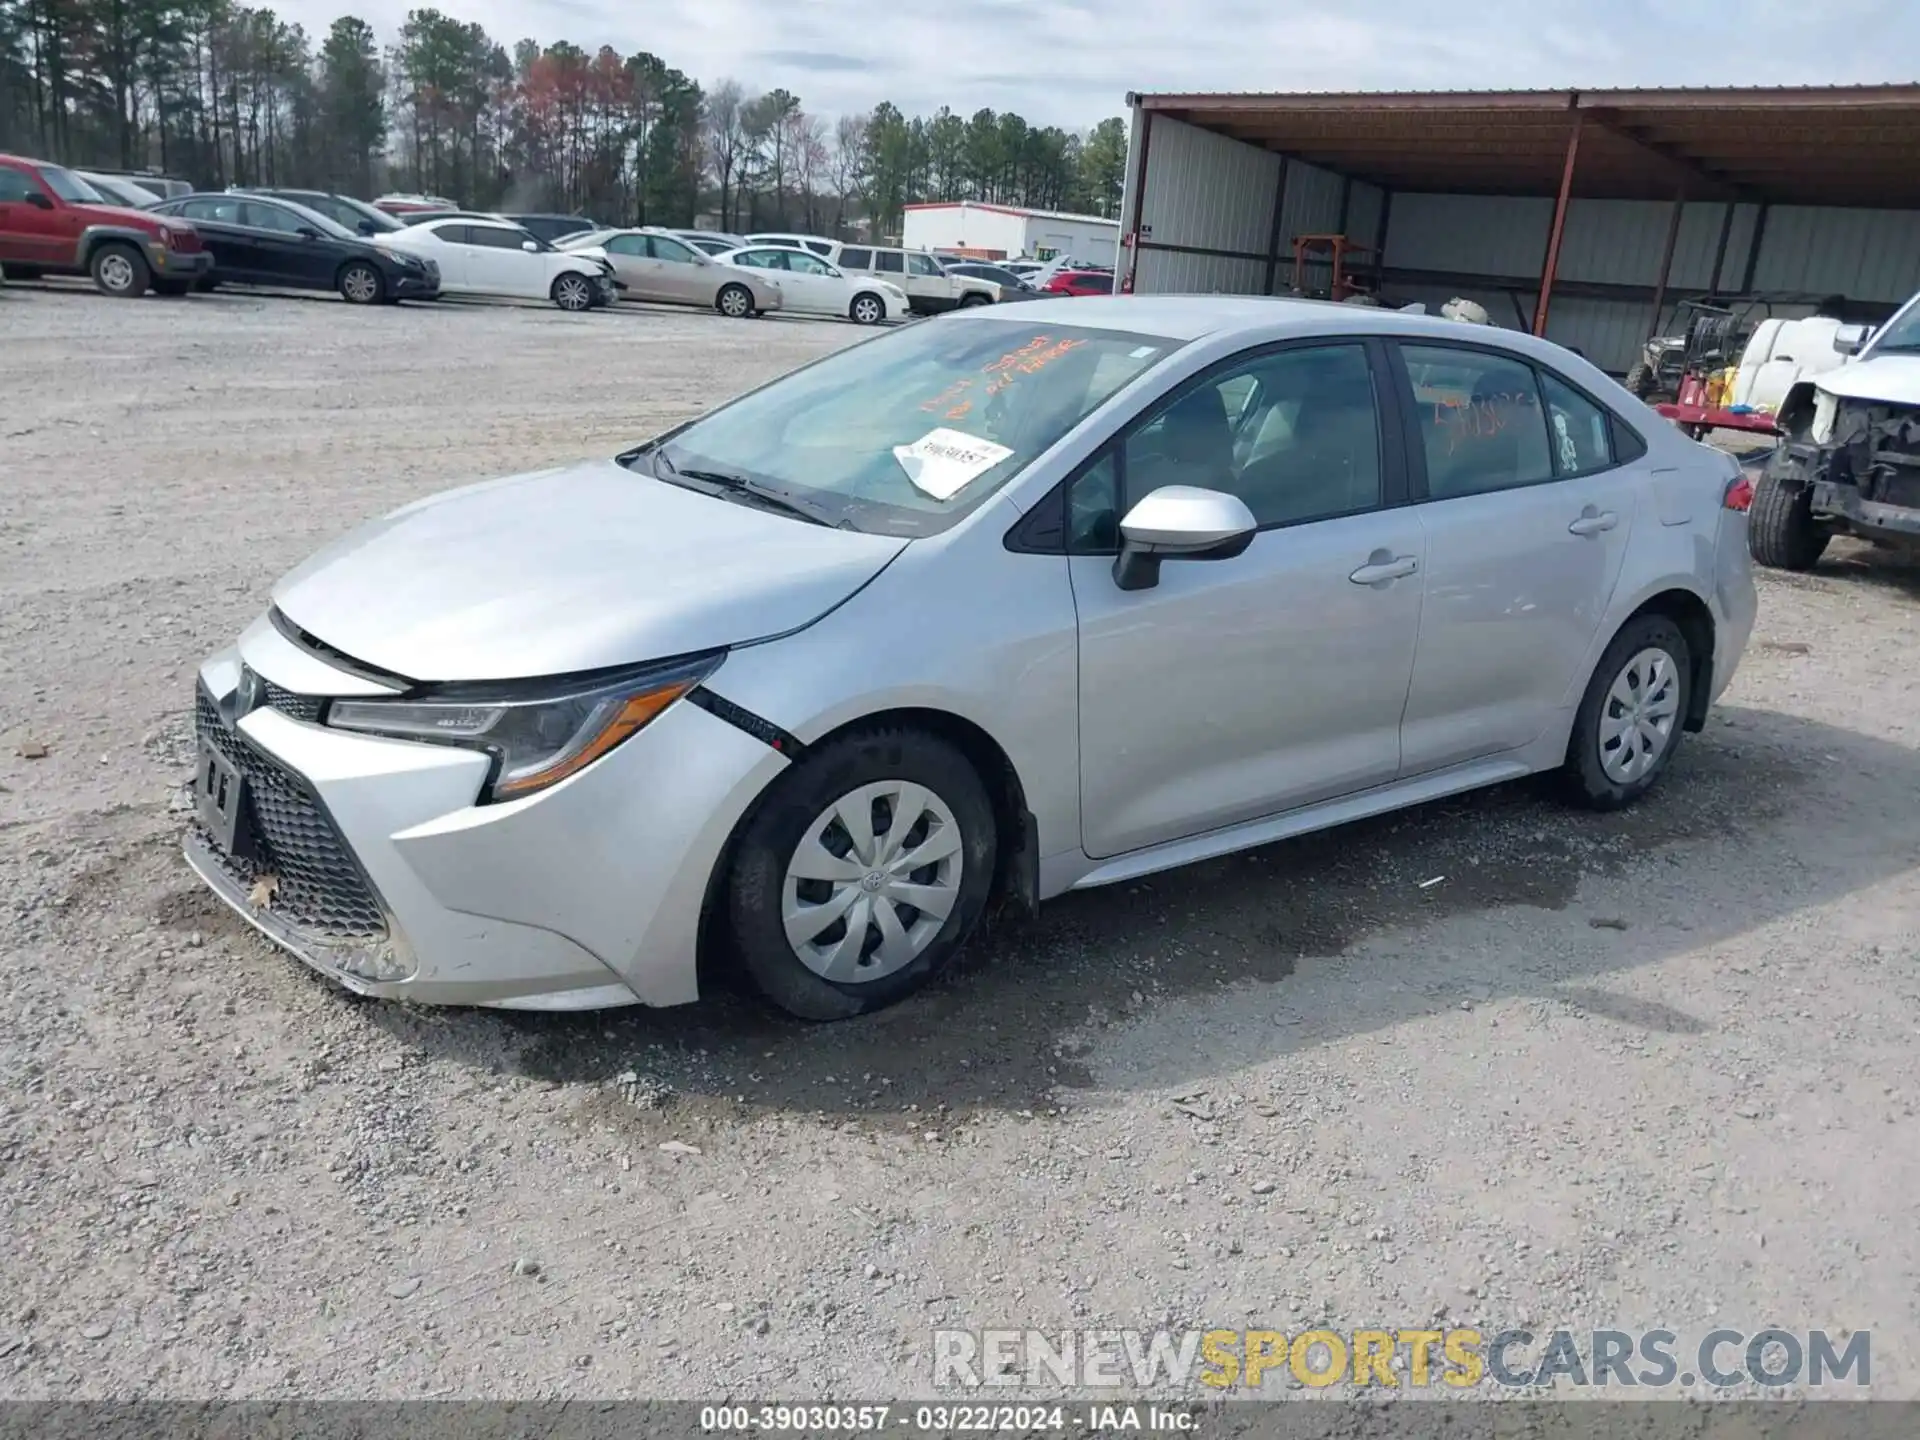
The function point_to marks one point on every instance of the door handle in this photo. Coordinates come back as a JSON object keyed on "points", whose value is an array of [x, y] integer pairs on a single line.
{"points": [[1384, 565], [1593, 522]]}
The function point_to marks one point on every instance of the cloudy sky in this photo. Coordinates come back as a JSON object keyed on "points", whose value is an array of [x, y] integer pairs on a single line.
{"points": [[1071, 64]]}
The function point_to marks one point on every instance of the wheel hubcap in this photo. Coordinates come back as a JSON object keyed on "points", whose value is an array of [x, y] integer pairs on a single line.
{"points": [[868, 310], [872, 881], [116, 272], [733, 304], [573, 295], [360, 285], [1637, 718]]}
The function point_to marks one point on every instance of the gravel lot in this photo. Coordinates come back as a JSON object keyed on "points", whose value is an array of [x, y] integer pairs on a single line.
{"points": [[1649, 1069]]}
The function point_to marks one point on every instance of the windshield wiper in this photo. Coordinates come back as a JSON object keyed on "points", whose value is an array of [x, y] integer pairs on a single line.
{"points": [[764, 495]]}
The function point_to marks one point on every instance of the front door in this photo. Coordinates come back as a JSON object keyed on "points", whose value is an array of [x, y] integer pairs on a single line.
{"points": [[1526, 518], [680, 274], [235, 247], [33, 229], [285, 256], [1245, 687]]}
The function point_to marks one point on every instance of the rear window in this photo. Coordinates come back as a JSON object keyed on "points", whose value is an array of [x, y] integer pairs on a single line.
{"points": [[852, 258]]}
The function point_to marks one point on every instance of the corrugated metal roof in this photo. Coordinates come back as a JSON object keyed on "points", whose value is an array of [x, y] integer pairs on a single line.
{"points": [[1834, 145]]}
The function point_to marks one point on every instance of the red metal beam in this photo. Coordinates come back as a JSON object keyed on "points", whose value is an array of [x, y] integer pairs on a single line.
{"points": [[1552, 267]]}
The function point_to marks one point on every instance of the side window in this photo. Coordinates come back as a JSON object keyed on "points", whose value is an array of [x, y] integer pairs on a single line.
{"points": [[1093, 508], [453, 234], [923, 265], [888, 262], [808, 264], [664, 249], [1577, 428], [1481, 423], [494, 237], [270, 217], [627, 245], [193, 209], [1294, 433], [852, 258], [15, 185]]}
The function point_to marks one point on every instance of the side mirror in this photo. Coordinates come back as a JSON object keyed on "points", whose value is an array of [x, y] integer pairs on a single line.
{"points": [[1180, 522], [307, 232], [531, 247], [1849, 339], [366, 227], [38, 201]]}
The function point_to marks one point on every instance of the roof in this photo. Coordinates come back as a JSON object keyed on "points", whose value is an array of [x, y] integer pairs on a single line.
{"points": [[1818, 145], [1020, 210]]}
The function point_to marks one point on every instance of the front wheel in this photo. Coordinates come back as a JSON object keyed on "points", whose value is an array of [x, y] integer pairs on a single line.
{"points": [[573, 293], [120, 271], [867, 309], [1630, 720], [974, 297], [1781, 531], [861, 874], [360, 284], [734, 301]]}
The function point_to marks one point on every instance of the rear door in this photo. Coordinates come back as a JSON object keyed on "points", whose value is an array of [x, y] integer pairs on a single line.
{"points": [[1527, 518], [452, 254], [235, 247], [628, 256]]}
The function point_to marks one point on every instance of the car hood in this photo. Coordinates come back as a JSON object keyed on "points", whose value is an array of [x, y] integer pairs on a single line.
{"points": [[580, 568], [1888, 379]]}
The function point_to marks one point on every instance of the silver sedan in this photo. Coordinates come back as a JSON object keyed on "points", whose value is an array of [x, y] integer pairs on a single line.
{"points": [[1002, 605]]}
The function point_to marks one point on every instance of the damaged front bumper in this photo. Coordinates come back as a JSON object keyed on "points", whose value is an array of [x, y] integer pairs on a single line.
{"points": [[1865, 476]]}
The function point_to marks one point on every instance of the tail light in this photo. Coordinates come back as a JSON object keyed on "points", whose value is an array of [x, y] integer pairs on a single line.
{"points": [[1739, 494]]}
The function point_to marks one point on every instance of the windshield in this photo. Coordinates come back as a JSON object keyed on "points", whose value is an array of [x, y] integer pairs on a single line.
{"points": [[1902, 333], [69, 186], [131, 196], [350, 212], [904, 434]]}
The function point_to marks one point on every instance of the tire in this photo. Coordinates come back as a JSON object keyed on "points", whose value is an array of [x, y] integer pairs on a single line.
{"points": [[1781, 533], [119, 270], [173, 288], [974, 297], [867, 309], [734, 301], [1649, 658], [1639, 381], [873, 773], [572, 293], [361, 284]]}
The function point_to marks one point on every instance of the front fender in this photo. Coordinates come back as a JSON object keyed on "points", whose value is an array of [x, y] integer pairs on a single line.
{"points": [[94, 236]]}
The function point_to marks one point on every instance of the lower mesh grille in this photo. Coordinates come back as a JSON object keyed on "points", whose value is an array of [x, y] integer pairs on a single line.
{"points": [[317, 885]]}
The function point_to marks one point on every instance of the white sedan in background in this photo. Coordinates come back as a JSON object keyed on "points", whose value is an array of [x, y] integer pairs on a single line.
{"points": [[812, 286], [496, 257]]}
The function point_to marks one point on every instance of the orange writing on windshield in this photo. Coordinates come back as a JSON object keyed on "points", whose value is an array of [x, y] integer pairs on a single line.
{"points": [[1030, 359]]}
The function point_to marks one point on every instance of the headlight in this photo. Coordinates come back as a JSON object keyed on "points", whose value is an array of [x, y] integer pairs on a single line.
{"points": [[1826, 409], [537, 737]]}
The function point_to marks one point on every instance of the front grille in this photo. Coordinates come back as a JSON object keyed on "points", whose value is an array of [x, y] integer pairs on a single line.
{"points": [[318, 887], [295, 707]]}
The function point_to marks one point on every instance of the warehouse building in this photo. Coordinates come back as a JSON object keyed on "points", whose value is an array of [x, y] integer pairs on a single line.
{"points": [[1581, 215], [1008, 232]]}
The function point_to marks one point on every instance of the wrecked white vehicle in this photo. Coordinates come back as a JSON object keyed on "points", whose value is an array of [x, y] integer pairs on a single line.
{"points": [[1850, 463]]}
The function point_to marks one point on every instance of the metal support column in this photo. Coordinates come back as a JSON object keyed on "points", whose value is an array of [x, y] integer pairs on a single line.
{"points": [[1273, 231], [1720, 252], [1666, 259], [1552, 267], [1139, 202]]}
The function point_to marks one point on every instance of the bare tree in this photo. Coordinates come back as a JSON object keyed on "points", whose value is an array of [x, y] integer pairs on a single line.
{"points": [[726, 141], [847, 167], [807, 145]]}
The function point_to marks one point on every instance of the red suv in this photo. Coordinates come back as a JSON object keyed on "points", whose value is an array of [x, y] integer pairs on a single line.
{"points": [[53, 223], [1081, 282]]}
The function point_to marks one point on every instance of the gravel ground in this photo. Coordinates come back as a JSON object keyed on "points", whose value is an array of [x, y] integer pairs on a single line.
{"points": [[1638, 1070]]}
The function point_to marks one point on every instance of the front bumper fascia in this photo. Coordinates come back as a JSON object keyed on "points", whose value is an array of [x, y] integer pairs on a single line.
{"points": [[584, 896]]}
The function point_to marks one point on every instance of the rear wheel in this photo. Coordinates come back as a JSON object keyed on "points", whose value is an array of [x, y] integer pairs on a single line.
{"points": [[572, 292], [974, 297], [1630, 721], [120, 270], [360, 284], [734, 301], [1781, 531], [867, 309], [861, 874]]}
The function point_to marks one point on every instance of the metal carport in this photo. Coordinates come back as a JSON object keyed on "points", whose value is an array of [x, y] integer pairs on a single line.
{"points": [[1577, 214]]}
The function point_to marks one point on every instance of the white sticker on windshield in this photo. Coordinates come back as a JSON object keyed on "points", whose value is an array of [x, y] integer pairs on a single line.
{"points": [[944, 462], [1141, 353]]}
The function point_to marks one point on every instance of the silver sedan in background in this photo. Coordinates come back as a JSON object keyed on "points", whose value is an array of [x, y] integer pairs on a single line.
{"points": [[1006, 604], [661, 267]]}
